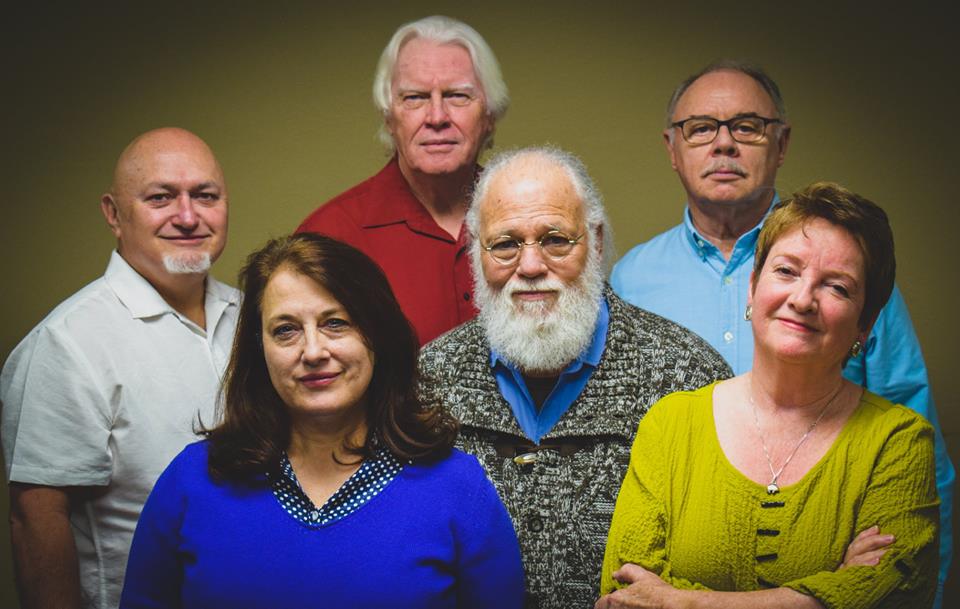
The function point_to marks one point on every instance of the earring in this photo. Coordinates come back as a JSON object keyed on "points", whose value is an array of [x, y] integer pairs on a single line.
{"points": [[856, 348], [748, 313]]}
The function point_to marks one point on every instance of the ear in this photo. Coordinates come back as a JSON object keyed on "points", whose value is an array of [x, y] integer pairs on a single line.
{"points": [[668, 141], [599, 238], [752, 287], [108, 206], [783, 143]]}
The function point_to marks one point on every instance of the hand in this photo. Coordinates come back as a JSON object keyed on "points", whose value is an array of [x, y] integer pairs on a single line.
{"points": [[867, 548], [645, 590]]}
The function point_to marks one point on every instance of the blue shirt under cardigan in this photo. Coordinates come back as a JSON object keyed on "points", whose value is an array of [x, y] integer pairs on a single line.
{"points": [[537, 423], [437, 536], [680, 275]]}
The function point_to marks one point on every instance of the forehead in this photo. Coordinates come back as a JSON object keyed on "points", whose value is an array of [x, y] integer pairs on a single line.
{"points": [[423, 61], [288, 289], [723, 94], [531, 195], [822, 242], [184, 166]]}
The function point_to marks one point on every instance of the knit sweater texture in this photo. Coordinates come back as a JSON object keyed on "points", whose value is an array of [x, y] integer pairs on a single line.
{"points": [[562, 502], [686, 513]]}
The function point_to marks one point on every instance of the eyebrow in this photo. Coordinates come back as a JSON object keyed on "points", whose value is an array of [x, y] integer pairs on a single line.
{"points": [[169, 186], [735, 116], [401, 88]]}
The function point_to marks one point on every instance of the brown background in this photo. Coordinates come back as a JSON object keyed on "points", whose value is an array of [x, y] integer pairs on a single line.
{"points": [[282, 94]]}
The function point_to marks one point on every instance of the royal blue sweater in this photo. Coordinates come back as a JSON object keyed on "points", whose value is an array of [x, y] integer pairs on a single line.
{"points": [[436, 536]]}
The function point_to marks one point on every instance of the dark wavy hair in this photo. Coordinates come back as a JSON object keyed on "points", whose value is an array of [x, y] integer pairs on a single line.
{"points": [[863, 220], [255, 426]]}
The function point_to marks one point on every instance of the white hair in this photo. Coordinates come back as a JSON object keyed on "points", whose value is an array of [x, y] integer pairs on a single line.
{"points": [[583, 185], [187, 263], [442, 30]]}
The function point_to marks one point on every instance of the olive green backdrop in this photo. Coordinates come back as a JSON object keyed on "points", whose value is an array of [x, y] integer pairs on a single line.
{"points": [[282, 94]]}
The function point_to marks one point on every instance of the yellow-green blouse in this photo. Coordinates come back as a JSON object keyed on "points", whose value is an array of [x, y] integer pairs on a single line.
{"points": [[686, 513]]}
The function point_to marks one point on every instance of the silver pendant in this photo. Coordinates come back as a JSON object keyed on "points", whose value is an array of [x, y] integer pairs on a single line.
{"points": [[772, 488]]}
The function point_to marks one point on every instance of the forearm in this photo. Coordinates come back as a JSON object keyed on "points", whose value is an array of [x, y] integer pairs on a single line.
{"points": [[44, 551], [780, 598]]}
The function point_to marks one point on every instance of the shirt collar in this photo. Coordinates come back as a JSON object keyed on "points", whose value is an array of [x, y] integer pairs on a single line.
{"points": [[142, 299], [746, 241], [590, 356]]}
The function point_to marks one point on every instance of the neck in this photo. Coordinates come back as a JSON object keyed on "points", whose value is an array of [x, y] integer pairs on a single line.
{"points": [[793, 387], [723, 223], [445, 197], [317, 446]]}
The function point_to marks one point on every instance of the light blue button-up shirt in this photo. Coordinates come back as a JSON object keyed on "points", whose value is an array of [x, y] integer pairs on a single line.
{"points": [[680, 275], [573, 379]]}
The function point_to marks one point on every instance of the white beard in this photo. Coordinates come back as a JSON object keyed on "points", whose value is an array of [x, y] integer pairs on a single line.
{"points": [[538, 336], [187, 263]]}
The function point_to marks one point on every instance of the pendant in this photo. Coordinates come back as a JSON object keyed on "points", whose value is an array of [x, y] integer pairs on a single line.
{"points": [[772, 488]]}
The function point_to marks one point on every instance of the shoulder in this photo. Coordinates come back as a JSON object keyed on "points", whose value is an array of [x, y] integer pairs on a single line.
{"points": [[223, 291], [457, 475], [465, 342], [887, 419], [353, 205], [653, 251], [638, 328], [680, 407]]}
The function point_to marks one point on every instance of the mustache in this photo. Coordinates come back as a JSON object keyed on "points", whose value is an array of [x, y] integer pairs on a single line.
{"points": [[724, 165]]}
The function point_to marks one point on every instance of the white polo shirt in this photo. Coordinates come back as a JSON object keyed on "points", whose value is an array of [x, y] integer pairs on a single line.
{"points": [[104, 392]]}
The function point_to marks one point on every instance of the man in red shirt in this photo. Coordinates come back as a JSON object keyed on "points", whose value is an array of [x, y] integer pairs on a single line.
{"points": [[439, 87]]}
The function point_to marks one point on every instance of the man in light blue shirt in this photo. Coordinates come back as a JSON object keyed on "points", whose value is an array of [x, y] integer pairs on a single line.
{"points": [[698, 273]]}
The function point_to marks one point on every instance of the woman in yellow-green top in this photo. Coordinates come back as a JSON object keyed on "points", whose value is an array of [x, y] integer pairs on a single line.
{"points": [[787, 486]]}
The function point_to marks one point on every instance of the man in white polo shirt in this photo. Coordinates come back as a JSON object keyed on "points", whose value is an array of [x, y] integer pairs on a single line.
{"points": [[110, 385]]}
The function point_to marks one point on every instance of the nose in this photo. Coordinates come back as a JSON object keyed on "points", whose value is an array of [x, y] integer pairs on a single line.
{"points": [[315, 347], [803, 298], [724, 142], [437, 115], [186, 216], [531, 264]]}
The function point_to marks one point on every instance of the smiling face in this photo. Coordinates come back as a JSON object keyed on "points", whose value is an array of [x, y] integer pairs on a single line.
{"points": [[808, 296], [168, 206], [317, 359], [438, 116], [526, 201], [727, 172]]}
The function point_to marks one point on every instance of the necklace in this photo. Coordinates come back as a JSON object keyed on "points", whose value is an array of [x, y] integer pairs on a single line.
{"points": [[773, 488]]}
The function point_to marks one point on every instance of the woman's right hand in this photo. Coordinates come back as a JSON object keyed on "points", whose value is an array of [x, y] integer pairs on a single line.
{"points": [[867, 548]]}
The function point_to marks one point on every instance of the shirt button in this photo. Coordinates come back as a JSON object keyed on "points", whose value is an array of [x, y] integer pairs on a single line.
{"points": [[700, 242], [466, 295], [535, 524], [315, 515], [728, 336], [727, 280]]}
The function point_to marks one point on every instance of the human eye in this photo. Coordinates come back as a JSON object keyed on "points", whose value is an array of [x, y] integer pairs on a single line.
{"points": [[158, 198], [458, 98], [783, 270], [283, 332], [413, 99], [206, 196], [839, 289], [747, 126], [336, 324]]}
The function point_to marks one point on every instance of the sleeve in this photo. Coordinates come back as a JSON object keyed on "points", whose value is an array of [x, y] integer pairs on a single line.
{"points": [[57, 414], [638, 531], [893, 367], [490, 571], [154, 575], [901, 499]]}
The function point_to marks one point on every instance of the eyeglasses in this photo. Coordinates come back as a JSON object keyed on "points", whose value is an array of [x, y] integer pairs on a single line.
{"points": [[554, 244], [699, 130]]}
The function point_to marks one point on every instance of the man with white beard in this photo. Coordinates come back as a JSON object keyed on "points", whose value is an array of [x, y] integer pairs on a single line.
{"points": [[551, 380], [108, 388]]}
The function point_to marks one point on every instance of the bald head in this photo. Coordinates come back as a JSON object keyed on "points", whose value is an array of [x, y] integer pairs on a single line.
{"points": [[167, 206]]}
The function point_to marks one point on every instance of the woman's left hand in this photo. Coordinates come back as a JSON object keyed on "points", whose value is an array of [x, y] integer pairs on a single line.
{"points": [[645, 590]]}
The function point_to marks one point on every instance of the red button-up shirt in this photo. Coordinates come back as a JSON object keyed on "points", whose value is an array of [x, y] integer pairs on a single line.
{"points": [[428, 269]]}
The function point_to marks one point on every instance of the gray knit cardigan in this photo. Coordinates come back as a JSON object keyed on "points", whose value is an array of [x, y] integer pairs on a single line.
{"points": [[561, 503]]}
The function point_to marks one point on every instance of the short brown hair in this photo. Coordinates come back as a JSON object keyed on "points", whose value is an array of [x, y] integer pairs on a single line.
{"points": [[255, 426], [860, 217]]}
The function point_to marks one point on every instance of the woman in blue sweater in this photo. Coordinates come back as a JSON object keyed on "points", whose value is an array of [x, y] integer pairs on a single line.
{"points": [[325, 484]]}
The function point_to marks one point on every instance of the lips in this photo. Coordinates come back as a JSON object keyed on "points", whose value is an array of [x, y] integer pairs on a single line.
{"points": [[318, 379], [532, 294], [796, 325]]}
